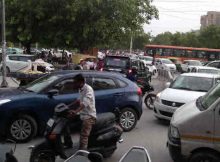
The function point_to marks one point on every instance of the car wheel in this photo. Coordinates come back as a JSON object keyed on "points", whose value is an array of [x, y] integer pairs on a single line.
{"points": [[127, 119], [22, 128], [204, 156], [149, 101]]}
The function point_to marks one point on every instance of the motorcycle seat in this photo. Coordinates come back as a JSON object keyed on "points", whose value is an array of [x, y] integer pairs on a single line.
{"points": [[104, 120]]}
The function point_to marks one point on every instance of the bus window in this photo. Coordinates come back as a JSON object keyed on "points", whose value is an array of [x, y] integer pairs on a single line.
{"points": [[178, 53], [191, 54], [201, 54], [159, 51], [167, 52]]}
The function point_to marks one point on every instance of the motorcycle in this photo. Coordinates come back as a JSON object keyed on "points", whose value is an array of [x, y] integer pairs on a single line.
{"points": [[103, 138], [136, 153], [147, 90]]}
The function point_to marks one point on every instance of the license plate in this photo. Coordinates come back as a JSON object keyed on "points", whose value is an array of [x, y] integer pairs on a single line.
{"points": [[50, 122]]}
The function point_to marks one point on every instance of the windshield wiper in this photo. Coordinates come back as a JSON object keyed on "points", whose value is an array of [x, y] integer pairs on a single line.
{"points": [[184, 88], [200, 90]]}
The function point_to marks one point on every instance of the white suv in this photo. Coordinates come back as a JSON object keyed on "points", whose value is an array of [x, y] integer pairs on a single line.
{"points": [[165, 64]]}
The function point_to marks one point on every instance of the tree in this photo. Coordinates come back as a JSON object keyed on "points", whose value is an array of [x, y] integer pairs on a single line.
{"points": [[210, 37], [75, 23], [163, 39]]}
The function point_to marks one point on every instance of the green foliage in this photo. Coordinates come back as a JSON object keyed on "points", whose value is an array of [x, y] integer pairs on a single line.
{"points": [[76, 23], [208, 37]]}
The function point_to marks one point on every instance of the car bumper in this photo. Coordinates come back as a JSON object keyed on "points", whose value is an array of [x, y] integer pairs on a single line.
{"points": [[162, 111], [175, 152]]}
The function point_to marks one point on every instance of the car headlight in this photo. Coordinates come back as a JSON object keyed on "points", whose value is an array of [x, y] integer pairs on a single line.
{"points": [[174, 132], [4, 101], [158, 97]]}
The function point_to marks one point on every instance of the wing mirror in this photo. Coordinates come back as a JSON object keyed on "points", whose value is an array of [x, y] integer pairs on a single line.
{"points": [[52, 93], [167, 84]]}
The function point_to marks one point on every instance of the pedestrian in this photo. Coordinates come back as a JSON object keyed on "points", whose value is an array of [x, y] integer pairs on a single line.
{"points": [[86, 109]]}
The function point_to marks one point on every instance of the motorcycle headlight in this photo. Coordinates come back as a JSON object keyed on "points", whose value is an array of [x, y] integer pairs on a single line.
{"points": [[174, 132], [158, 97], [4, 101]]}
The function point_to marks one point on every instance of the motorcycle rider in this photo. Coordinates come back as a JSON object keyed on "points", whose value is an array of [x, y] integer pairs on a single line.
{"points": [[86, 109]]}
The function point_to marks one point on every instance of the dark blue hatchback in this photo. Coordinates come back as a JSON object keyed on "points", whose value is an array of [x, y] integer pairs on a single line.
{"points": [[25, 111]]}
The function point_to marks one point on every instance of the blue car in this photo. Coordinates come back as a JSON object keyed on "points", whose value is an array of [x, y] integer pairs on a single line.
{"points": [[24, 111]]}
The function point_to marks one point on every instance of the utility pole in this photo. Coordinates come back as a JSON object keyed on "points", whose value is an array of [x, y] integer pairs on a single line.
{"points": [[4, 82], [131, 44]]}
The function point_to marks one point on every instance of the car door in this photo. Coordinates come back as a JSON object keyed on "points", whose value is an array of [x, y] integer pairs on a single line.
{"points": [[107, 94], [23, 62], [12, 63], [67, 93]]}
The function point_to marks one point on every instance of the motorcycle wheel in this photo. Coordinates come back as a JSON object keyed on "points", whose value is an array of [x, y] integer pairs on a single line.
{"points": [[42, 156], [149, 101]]}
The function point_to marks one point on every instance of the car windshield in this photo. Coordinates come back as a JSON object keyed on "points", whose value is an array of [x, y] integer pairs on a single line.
{"points": [[41, 83], [192, 83], [116, 62], [167, 62], [147, 58], [195, 63], [210, 97]]}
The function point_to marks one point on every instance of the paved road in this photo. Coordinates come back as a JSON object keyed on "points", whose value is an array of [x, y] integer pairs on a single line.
{"points": [[149, 133]]}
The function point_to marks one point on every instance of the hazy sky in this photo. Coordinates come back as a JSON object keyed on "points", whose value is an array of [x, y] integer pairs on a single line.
{"points": [[180, 15]]}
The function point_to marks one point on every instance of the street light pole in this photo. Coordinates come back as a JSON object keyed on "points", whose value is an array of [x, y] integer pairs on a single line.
{"points": [[4, 82]]}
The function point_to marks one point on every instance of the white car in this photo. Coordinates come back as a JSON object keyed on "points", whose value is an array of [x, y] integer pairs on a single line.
{"points": [[205, 69], [187, 65], [165, 64], [184, 89], [148, 63], [21, 62]]}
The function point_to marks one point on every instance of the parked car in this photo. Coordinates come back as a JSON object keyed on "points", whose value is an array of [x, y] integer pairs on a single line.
{"points": [[205, 69], [185, 88], [165, 64], [187, 65], [19, 62], [215, 64], [11, 50], [25, 111], [194, 130]]}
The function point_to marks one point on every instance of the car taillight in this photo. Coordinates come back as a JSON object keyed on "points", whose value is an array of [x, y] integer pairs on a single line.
{"points": [[52, 137], [101, 69], [129, 71], [139, 91]]}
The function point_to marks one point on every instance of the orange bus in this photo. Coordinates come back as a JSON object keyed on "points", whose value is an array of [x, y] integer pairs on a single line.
{"points": [[182, 53]]}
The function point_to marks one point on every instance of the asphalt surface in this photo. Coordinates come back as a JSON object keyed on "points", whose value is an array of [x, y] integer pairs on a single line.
{"points": [[149, 133]]}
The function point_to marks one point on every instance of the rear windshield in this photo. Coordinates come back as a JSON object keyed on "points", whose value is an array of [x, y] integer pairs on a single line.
{"points": [[119, 62]]}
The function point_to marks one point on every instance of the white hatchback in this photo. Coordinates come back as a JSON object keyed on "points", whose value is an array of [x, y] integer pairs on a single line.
{"points": [[185, 88]]}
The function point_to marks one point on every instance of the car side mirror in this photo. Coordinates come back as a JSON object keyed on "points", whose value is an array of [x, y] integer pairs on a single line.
{"points": [[52, 93], [167, 84]]}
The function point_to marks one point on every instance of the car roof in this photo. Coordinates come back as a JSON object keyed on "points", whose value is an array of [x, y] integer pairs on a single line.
{"points": [[20, 55], [204, 75], [71, 72]]}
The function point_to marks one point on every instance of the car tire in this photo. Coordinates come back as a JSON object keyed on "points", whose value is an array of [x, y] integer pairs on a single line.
{"points": [[22, 128], [149, 101], [127, 119], [204, 156]]}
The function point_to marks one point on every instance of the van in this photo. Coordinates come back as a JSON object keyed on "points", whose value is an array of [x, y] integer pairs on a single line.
{"points": [[194, 132]]}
